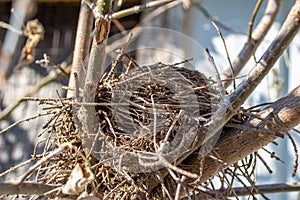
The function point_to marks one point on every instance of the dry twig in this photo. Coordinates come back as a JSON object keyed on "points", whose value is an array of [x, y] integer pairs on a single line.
{"points": [[256, 38]]}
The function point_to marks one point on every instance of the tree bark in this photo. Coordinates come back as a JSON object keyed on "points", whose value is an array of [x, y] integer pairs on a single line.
{"points": [[82, 45], [232, 103], [236, 144]]}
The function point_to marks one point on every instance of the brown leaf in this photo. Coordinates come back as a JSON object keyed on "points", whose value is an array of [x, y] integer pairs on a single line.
{"points": [[34, 31], [80, 176]]}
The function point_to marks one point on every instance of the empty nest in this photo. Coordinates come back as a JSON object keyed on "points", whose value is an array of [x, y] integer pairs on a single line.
{"points": [[139, 109]]}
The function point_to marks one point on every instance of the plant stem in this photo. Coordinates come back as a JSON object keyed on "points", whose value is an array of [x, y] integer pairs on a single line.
{"points": [[104, 6], [82, 44]]}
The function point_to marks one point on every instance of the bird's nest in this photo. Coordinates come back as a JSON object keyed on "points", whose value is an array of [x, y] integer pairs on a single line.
{"points": [[151, 109], [145, 114], [142, 122], [131, 141]]}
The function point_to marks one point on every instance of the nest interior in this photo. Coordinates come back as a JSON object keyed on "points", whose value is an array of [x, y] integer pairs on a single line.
{"points": [[160, 94]]}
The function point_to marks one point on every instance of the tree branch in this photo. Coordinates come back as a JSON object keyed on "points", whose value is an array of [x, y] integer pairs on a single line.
{"points": [[25, 188], [235, 100], [251, 22], [138, 28], [286, 34], [31, 188], [95, 67], [269, 188], [252, 43], [82, 44], [139, 8], [243, 191], [284, 112]]}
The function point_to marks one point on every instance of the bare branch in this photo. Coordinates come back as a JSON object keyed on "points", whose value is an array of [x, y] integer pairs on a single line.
{"points": [[25, 188], [251, 22], [233, 101], [10, 27], [82, 44], [296, 156], [226, 50], [256, 38], [269, 188], [286, 34], [23, 120], [137, 29], [249, 141], [214, 19], [63, 147], [139, 8], [285, 112], [96, 65]]}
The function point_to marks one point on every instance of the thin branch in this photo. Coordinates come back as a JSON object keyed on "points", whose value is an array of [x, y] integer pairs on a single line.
{"points": [[31, 188], [264, 163], [137, 29], [16, 167], [61, 148], [218, 77], [296, 130], [178, 189], [273, 155], [233, 101], [10, 27], [214, 19], [286, 34], [251, 22], [82, 44], [249, 180], [270, 188], [255, 129], [25, 188], [256, 38], [226, 50], [23, 120], [47, 62], [139, 8], [244, 191], [296, 155]]}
